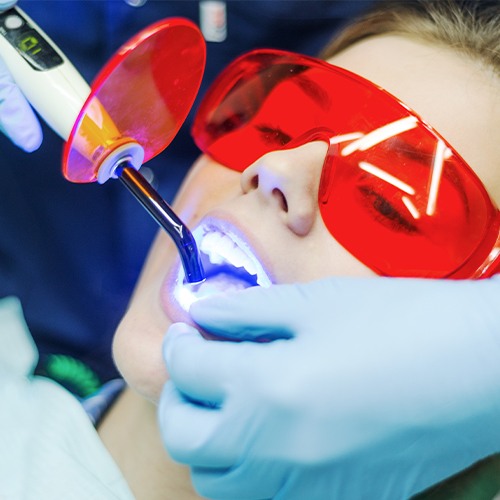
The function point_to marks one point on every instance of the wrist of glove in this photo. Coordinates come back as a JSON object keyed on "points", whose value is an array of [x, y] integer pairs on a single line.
{"points": [[396, 379]]}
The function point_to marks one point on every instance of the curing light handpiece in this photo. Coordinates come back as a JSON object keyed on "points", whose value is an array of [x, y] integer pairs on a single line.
{"points": [[159, 209], [133, 110]]}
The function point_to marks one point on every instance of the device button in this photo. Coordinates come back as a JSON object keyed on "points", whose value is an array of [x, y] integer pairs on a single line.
{"points": [[13, 22]]}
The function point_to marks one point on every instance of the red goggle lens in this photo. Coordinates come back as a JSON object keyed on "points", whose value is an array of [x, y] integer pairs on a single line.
{"points": [[392, 192]]}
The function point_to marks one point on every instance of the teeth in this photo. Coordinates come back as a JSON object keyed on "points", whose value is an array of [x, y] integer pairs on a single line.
{"points": [[229, 250], [208, 245], [263, 281], [221, 249], [249, 265]]}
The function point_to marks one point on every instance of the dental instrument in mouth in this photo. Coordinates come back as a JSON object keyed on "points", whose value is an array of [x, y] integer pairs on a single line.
{"points": [[132, 112], [159, 209], [229, 262]]}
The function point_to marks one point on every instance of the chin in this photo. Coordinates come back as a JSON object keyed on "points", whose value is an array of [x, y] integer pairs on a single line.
{"points": [[137, 353]]}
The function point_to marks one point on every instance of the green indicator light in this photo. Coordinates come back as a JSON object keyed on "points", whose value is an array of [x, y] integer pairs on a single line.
{"points": [[30, 45]]}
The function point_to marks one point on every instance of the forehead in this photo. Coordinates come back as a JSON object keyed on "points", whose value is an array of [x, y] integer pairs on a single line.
{"points": [[457, 96]]}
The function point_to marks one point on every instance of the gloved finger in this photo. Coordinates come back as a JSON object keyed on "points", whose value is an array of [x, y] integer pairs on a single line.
{"points": [[17, 119], [7, 4], [200, 368], [254, 313], [251, 480], [186, 428]]}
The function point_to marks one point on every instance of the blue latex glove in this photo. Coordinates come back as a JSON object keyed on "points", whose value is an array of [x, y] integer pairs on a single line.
{"points": [[17, 119], [382, 388]]}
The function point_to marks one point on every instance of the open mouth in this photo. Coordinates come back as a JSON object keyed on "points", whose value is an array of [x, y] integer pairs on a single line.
{"points": [[229, 265]]}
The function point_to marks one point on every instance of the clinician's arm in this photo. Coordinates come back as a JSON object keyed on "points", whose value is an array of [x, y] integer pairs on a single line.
{"points": [[395, 381], [17, 119]]}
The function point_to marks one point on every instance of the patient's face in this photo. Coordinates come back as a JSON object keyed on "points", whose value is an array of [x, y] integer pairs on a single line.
{"points": [[271, 210]]}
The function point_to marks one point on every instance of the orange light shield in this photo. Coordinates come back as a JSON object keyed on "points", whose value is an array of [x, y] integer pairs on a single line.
{"points": [[142, 96]]}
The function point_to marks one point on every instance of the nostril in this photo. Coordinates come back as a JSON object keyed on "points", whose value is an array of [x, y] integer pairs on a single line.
{"points": [[280, 197], [249, 181]]}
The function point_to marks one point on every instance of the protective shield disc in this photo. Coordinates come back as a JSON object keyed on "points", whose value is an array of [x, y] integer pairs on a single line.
{"points": [[142, 95]]}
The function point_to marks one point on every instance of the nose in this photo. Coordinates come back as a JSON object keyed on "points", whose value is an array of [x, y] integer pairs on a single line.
{"points": [[289, 181]]}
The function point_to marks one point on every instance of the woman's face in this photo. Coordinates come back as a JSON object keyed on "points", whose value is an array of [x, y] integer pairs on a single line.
{"points": [[271, 209]]}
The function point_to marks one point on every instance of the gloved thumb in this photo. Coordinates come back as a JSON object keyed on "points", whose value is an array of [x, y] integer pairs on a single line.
{"points": [[261, 313]]}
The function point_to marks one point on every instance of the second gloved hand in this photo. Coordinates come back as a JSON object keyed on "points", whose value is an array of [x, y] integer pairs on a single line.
{"points": [[378, 388], [17, 119]]}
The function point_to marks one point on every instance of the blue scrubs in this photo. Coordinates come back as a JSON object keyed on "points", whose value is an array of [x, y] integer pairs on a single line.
{"points": [[72, 253]]}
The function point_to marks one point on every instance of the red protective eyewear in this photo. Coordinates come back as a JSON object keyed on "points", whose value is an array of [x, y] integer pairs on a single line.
{"points": [[393, 192]]}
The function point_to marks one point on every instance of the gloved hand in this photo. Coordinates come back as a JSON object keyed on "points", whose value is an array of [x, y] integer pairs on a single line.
{"points": [[17, 120], [378, 388]]}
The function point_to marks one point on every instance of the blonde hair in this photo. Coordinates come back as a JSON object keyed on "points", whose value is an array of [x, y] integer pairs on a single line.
{"points": [[471, 27]]}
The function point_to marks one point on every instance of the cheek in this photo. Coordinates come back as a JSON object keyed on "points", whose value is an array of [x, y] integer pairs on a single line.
{"points": [[337, 261], [138, 341], [333, 259], [319, 255]]}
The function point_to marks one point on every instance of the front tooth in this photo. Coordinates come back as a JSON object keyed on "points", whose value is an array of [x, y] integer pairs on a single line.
{"points": [[250, 266], [263, 281], [237, 257], [210, 241], [221, 248], [209, 245], [215, 258], [226, 248]]}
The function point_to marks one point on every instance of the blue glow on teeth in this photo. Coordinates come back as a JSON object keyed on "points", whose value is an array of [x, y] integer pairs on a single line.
{"points": [[221, 249], [229, 264]]}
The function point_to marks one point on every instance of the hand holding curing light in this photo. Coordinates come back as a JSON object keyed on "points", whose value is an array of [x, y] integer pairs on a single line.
{"points": [[102, 142]]}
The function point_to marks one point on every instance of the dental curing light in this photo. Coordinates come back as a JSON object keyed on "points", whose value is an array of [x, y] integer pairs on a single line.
{"points": [[131, 113]]}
